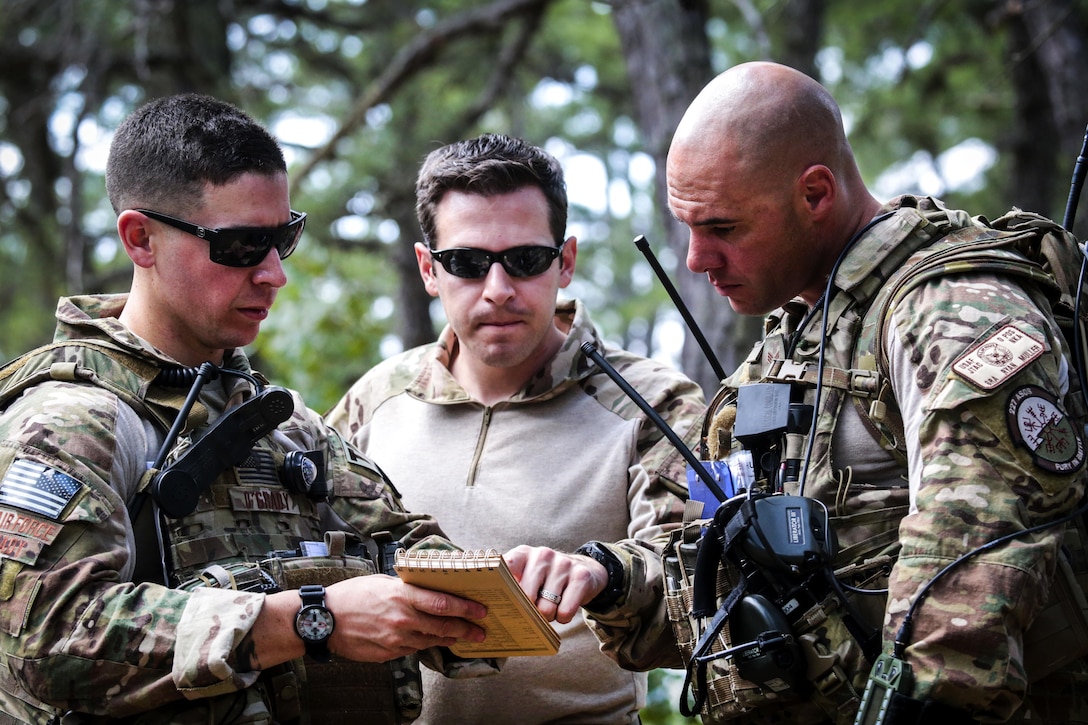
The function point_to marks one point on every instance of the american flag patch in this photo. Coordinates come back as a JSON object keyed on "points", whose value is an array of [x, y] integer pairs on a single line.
{"points": [[38, 489], [259, 469]]}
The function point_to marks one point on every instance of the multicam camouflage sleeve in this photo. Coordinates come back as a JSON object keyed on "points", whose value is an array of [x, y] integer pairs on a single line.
{"points": [[368, 501], [72, 629], [978, 375], [636, 631]]}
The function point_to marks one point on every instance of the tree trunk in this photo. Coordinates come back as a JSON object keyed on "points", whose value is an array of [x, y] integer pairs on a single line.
{"points": [[414, 324], [667, 52], [1048, 49]]}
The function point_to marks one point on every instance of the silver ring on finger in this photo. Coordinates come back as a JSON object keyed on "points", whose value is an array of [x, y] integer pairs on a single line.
{"points": [[550, 596]]}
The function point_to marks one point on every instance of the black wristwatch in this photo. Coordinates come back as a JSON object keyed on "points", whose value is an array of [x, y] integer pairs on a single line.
{"points": [[613, 590], [314, 622]]}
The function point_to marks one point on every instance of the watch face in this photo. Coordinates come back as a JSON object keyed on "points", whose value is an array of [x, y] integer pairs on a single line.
{"points": [[314, 623]]}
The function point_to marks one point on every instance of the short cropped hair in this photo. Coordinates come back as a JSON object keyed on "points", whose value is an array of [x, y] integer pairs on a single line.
{"points": [[490, 165], [165, 153]]}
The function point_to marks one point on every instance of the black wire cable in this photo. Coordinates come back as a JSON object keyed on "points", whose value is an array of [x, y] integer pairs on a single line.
{"points": [[204, 373], [822, 358], [902, 636]]}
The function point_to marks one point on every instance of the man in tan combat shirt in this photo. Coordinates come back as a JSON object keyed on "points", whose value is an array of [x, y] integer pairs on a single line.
{"points": [[506, 431]]}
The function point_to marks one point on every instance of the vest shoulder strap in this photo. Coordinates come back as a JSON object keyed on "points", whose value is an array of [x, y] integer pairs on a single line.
{"points": [[1018, 244], [95, 362]]}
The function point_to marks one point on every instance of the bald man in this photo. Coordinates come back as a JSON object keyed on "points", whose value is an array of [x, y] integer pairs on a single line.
{"points": [[929, 407]]}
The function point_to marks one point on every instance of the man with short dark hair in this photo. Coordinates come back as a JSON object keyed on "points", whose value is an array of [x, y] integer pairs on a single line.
{"points": [[513, 437], [177, 533]]}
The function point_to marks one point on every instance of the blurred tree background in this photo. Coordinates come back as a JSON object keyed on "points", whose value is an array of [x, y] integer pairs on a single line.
{"points": [[980, 102]]}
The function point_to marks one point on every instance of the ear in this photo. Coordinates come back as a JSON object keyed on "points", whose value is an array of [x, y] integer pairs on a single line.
{"points": [[567, 259], [816, 190], [133, 228], [426, 268]]}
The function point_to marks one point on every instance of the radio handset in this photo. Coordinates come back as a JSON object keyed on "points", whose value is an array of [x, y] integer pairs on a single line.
{"points": [[888, 676], [228, 442]]}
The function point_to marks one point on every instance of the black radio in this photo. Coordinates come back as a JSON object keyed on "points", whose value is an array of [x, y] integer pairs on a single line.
{"points": [[226, 443]]}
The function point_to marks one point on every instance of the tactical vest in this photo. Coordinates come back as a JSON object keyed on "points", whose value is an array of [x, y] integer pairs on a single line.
{"points": [[248, 532], [866, 519]]}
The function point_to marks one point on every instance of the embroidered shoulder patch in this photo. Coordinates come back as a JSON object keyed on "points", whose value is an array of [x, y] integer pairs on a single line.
{"points": [[1038, 423], [38, 489], [998, 357]]}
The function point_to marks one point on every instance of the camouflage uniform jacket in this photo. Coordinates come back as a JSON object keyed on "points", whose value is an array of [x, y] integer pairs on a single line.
{"points": [[555, 465], [973, 471], [76, 632]]}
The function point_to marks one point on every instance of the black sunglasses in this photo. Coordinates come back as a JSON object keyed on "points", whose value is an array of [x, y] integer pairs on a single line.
{"points": [[241, 246], [472, 263]]}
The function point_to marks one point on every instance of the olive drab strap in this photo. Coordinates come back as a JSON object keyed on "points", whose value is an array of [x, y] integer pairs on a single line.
{"points": [[100, 363]]}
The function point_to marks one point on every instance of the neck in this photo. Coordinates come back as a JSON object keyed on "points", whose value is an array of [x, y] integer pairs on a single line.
{"points": [[852, 222], [139, 319]]}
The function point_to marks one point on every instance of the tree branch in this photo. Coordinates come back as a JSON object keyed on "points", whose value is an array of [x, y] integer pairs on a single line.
{"points": [[412, 58]]}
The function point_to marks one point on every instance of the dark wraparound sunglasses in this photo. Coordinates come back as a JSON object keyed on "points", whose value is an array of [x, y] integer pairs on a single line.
{"points": [[241, 246], [472, 263]]}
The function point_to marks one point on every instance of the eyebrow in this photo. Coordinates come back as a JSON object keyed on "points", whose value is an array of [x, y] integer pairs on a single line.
{"points": [[717, 222], [709, 222]]}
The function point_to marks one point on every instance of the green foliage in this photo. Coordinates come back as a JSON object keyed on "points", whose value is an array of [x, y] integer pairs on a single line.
{"points": [[664, 691], [327, 326]]}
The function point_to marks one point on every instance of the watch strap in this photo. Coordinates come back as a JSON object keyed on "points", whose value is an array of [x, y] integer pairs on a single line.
{"points": [[313, 595], [614, 589]]}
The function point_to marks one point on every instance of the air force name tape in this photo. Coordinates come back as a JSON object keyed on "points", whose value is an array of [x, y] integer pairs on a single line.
{"points": [[998, 357]]}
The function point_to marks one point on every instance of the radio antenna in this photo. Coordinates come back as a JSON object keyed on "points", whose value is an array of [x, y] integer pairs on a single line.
{"points": [[590, 351], [644, 247], [1080, 169]]}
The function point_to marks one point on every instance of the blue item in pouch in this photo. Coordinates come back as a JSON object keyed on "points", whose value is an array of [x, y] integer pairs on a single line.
{"points": [[698, 490]]}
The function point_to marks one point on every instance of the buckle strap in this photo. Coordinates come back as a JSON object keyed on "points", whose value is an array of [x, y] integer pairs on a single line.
{"points": [[862, 383]]}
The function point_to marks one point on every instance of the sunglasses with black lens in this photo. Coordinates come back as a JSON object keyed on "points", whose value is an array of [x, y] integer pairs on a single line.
{"points": [[241, 246], [472, 263]]}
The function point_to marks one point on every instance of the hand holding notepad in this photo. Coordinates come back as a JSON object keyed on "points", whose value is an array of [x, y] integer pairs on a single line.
{"points": [[514, 626]]}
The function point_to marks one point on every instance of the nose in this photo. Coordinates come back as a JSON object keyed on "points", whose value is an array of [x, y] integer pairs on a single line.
{"points": [[701, 253], [270, 271], [498, 287]]}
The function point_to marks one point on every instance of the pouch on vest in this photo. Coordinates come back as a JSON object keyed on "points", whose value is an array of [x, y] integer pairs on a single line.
{"points": [[304, 692]]}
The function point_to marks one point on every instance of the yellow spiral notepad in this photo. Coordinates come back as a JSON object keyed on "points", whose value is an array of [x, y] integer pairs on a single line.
{"points": [[514, 626]]}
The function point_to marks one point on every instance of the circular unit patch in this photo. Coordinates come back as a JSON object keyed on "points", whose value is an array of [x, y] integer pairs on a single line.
{"points": [[1039, 424]]}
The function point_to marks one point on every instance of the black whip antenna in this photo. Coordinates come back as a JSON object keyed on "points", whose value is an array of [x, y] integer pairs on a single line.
{"points": [[644, 247], [1080, 170], [590, 351]]}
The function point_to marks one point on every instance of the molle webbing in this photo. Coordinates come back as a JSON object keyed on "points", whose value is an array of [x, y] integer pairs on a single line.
{"points": [[859, 383]]}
